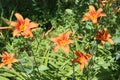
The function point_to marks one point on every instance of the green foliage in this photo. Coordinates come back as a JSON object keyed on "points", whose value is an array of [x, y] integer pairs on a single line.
{"points": [[38, 61]]}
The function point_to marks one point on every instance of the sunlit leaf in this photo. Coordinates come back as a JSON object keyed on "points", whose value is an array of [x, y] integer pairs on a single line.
{"points": [[43, 67], [3, 78]]}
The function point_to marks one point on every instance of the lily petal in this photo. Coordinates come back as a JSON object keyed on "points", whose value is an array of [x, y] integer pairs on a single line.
{"points": [[94, 21], [111, 41], [86, 17], [34, 25], [53, 39], [78, 53], [86, 62], [70, 41], [91, 8], [66, 49], [27, 21], [19, 17], [15, 60], [102, 42], [27, 33], [56, 48], [88, 56], [67, 34], [99, 10], [75, 60], [82, 66], [2, 64], [13, 24], [16, 32], [10, 66]]}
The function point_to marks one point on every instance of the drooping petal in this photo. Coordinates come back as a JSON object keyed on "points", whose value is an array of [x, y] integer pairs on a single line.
{"points": [[15, 60], [86, 62], [99, 12], [11, 55], [96, 37], [108, 36], [56, 48], [16, 32], [86, 17], [27, 33], [10, 66], [81, 66], [111, 41], [2, 64], [102, 42], [66, 49], [75, 60], [78, 53], [70, 41], [53, 39], [94, 21], [105, 30], [88, 56], [102, 14], [4, 54], [33, 25], [27, 21]]}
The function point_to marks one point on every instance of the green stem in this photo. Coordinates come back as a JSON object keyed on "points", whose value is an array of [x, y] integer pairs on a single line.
{"points": [[34, 59], [73, 75], [73, 67], [24, 71]]}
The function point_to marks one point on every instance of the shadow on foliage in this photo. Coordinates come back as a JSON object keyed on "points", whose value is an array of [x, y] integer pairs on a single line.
{"points": [[108, 74]]}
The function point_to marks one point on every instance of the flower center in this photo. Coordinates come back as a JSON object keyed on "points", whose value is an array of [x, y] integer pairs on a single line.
{"points": [[63, 42], [81, 59], [22, 27], [93, 15], [104, 37], [7, 60]]}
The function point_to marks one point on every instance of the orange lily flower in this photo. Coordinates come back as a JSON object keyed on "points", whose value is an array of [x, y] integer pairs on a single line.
{"points": [[103, 2], [8, 60], [23, 26], [82, 59], [93, 14], [62, 41], [104, 37]]}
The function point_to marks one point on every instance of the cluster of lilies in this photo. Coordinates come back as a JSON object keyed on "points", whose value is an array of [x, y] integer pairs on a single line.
{"points": [[24, 27]]}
